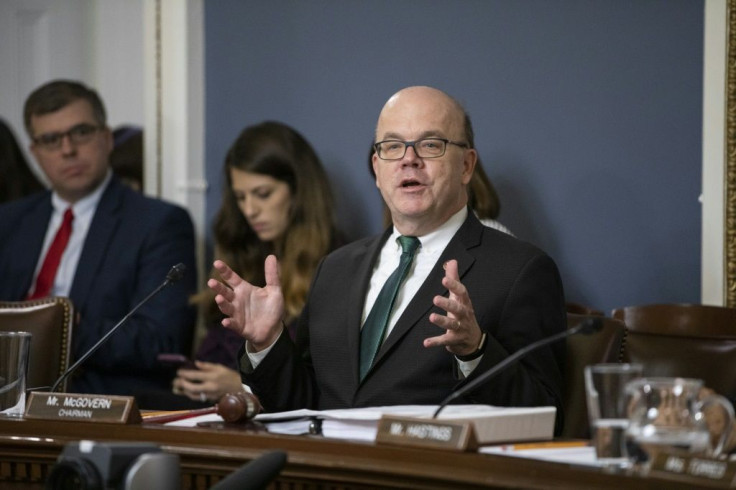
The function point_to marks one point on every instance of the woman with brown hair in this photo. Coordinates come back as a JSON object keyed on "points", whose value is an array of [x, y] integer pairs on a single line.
{"points": [[277, 200]]}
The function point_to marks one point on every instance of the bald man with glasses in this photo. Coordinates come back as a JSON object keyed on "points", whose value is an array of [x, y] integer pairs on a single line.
{"points": [[411, 315]]}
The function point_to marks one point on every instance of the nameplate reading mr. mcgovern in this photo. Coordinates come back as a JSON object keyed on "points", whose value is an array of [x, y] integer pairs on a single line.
{"points": [[110, 409]]}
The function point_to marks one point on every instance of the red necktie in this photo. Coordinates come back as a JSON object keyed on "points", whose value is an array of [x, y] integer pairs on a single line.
{"points": [[47, 274]]}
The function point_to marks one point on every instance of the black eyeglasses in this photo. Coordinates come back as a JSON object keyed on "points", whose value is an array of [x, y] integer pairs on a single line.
{"points": [[424, 148], [78, 135]]}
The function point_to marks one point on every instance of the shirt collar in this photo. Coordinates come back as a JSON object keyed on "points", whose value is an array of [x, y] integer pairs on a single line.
{"points": [[439, 238], [84, 205]]}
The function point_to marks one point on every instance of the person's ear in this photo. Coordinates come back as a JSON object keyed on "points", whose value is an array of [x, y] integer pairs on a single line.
{"points": [[376, 163], [469, 162]]}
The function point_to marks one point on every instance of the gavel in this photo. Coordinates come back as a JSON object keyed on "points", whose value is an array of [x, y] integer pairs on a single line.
{"points": [[238, 407]]}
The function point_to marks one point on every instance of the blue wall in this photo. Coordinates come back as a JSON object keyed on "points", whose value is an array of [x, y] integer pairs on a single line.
{"points": [[587, 116]]}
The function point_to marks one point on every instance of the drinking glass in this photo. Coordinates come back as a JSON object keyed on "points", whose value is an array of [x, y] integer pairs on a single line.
{"points": [[14, 350], [605, 387]]}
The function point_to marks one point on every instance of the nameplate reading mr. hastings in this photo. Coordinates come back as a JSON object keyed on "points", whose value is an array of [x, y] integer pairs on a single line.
{"points": [[83, 408], [427, 433]]}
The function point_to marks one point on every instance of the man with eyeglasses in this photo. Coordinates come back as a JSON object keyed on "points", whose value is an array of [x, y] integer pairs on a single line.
{"points": [[468, 295], [100, 243]]}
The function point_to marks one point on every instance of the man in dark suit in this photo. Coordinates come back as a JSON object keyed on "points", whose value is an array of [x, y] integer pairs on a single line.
{"points": [[472, 297], [118, 248]]}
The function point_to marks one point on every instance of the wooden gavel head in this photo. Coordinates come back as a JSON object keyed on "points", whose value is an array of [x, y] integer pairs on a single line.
{"points": [[238, 407]]}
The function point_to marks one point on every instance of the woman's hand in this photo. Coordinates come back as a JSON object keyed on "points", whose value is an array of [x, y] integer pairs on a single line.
{"points": [[206, 383]]}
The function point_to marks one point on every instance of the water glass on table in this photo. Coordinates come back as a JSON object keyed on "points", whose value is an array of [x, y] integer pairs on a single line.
{"points": [[14, 350], [607, 399]]}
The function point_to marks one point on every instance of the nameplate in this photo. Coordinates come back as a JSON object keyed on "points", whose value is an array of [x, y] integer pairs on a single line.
{"points": [[701, 468], [109, 409], [427, 433]]}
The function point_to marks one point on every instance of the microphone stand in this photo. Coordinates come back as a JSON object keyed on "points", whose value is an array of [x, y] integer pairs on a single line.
{"points": [[174, 274], [588, 326]]}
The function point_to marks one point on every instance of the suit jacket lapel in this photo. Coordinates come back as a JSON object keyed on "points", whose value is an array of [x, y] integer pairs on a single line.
{"points": [[101, 232], [26, 250], [364, 260], [466, 238]]}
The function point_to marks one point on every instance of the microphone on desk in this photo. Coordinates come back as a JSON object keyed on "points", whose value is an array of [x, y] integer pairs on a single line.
{"points": [[586, 327], [174, 275], [255, 475]]}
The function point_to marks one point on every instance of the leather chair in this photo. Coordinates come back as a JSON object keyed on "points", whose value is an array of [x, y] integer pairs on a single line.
{"points": [[49, 320], [683, 340], [581, 309], [601, 347]]}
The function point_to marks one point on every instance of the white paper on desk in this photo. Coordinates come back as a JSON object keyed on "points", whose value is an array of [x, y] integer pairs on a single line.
{"points": [[193, 421], [493, 424], [571, 455], [289, 426], [293, 422]]}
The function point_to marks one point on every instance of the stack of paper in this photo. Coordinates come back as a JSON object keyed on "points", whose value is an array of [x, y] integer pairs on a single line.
{"points": [[578, 454], [492, 424]]}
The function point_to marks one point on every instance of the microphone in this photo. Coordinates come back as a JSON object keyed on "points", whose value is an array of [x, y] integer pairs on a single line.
{"points": [[174, 274], [255, 475], [586, 327]]}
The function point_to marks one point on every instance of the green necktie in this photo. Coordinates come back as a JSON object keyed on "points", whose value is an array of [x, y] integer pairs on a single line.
{"points": [[374, 327]]}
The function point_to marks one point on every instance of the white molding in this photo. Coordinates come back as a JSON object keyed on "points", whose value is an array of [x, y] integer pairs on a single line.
{"points": [[714, 153], [174, 107], [117, 64]]}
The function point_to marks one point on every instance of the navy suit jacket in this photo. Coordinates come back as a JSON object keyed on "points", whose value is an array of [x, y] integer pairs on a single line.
{"points": [[517, 296], [133, 241]]}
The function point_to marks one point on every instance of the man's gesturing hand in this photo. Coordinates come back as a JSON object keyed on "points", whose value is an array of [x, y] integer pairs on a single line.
{"points": [[462, 333], [254, 313]]}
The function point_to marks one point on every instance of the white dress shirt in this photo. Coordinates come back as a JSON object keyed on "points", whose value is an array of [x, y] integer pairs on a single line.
{"points": [[84, 211], [432, 246]]}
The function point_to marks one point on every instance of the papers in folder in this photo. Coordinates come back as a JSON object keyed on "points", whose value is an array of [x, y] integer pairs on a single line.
{"points": [[492, 424]]}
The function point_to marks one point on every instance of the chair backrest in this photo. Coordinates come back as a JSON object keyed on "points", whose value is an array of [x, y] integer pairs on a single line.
{"points": [[581, 309], [601, 347], [49, 320], [683, 340]]}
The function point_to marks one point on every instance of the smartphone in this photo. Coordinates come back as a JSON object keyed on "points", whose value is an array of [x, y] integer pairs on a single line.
{"points": [[176, 361]]}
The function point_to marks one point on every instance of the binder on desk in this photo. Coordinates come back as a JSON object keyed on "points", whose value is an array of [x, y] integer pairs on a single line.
{"points": [[491, 424]]}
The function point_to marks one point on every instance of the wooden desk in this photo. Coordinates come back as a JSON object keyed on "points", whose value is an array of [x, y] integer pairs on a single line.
{"points": [[29, 448]]}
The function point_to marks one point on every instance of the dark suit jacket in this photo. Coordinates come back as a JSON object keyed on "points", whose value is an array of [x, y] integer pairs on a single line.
{"points": [[517, 297], [132, 242]]}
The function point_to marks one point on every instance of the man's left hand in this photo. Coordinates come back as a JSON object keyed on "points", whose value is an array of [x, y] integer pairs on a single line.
{"points": [[462, 332]]}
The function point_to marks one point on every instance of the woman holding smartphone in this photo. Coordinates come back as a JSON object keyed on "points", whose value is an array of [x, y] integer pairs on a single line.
{"points": [[277, 200]]}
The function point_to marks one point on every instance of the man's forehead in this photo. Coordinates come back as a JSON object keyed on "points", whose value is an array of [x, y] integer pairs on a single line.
{"points": [[419, 109], [428, 120], [71, 114]]}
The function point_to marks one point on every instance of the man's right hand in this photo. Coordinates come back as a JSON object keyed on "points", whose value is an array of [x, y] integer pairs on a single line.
{"points": [[254, 313]]}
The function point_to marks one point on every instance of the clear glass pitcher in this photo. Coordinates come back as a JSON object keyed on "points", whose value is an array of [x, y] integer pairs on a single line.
{"points": [[667, 412]]}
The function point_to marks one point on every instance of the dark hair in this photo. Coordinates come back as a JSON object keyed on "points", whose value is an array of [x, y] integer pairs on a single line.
{"points": [[58, 94], [277, 150], [126, 157], [17, 178], [468, 128], [482, 196]]}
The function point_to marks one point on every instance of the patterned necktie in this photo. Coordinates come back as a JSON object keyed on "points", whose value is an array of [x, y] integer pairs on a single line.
{"points": [[374, 327], [47, 274]]}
